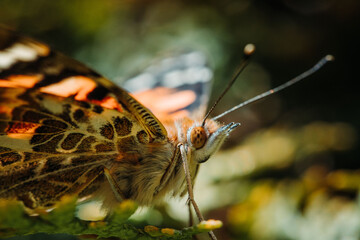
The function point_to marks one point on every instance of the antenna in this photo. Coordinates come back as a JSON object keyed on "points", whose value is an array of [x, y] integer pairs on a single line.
{"points": [[298, 78], [249, 49]]}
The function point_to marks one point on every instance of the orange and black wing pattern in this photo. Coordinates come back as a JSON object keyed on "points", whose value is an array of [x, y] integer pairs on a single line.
{"points": [[60, 122], [25, 63]]}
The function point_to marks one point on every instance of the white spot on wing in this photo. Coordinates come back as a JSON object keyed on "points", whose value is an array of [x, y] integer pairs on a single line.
{"points": [[17, 52], [173, 79], [141, 82], [198, 74], [195, 59], [191, 75]]}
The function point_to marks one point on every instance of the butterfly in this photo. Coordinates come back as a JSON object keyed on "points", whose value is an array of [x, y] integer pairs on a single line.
{"points": [[65, 129]]}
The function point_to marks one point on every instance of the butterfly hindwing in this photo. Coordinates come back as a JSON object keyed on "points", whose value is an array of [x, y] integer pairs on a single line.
{"points": [[175, 86]]}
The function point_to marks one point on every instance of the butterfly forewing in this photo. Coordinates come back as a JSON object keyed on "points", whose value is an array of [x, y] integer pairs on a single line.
{"points": [[61, 123], [25, 63]]}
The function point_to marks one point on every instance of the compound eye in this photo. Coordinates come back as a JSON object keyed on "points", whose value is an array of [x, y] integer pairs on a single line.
{"points": [[198, 137]]}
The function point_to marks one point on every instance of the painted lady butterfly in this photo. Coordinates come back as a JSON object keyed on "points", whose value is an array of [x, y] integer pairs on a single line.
{"points": [[65, 129]]}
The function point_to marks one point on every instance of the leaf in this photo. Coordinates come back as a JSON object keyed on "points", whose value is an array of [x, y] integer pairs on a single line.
{"points": [[15, 220]]}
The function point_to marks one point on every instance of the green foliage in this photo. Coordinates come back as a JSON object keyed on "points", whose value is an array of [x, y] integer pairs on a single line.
{"points": [[15, 220]]}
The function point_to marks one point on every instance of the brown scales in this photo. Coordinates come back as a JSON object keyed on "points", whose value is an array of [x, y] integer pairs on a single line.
{"points": [[49, 138]]}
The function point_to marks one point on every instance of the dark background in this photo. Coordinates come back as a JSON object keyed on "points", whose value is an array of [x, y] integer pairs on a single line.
{"points": [[292, 170]]}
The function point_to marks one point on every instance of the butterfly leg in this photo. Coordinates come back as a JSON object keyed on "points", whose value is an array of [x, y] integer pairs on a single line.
{"points": [[184, 156], [168, 172], [191, 222], [191, 219], [114, 186]]}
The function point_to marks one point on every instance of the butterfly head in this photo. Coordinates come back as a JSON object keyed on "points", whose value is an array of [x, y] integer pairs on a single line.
{"points": [[206, 140]]}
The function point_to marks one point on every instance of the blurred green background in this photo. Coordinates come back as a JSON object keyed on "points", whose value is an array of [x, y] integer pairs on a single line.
{"points": [[292, 170]]}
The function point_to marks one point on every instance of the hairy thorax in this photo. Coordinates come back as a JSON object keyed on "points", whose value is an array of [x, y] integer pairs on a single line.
{"points": [[141, 168]]}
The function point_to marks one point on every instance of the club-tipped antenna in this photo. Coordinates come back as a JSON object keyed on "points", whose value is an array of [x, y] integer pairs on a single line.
{"points": [[298, 78], [249, 49]]}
